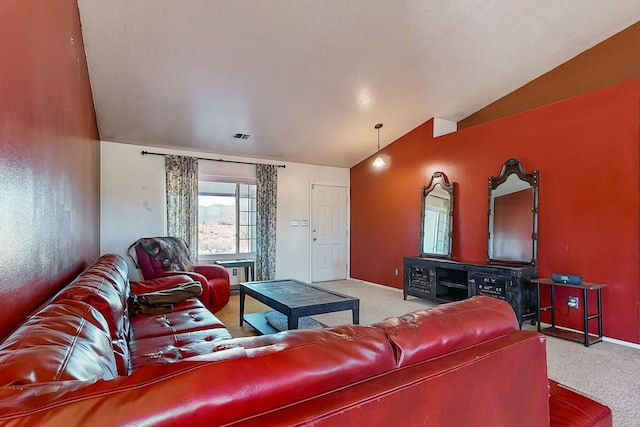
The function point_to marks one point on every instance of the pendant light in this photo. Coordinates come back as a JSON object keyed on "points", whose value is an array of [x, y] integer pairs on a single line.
{"points": [[379, 161]]}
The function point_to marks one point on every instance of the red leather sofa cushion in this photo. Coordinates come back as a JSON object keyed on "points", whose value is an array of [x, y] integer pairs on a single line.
{"points": [[185, 317], [71, 307], [111, 269], [235, 384], [112, 266], [571, 409], [105, 298], [287, 367], [429, 333], [56, 346], [89, 313], [175, 347]]}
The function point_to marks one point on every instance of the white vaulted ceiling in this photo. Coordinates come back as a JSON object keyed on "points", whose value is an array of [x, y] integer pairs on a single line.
{"points": [[308, 80]]}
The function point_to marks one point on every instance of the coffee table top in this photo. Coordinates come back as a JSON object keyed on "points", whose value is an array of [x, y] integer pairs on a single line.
{"points": [[294, 294], [294, 299]]}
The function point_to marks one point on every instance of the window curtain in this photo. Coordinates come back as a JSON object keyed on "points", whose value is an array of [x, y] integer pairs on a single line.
{"points": [[266, 203], [182, 201]]}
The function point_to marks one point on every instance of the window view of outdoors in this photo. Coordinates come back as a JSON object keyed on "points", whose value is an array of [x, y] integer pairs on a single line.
{"points": [[247, 218], [226, 223], [216, 224]]}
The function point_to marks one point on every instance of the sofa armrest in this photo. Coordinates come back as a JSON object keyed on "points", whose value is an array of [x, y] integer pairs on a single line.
{"points": [[215, 290], [430, 333], [212, 271], [193, 275], [500, 382]]}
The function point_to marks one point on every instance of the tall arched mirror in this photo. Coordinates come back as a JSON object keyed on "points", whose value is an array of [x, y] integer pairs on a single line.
{"points": [[513, 216], [436, 219]]}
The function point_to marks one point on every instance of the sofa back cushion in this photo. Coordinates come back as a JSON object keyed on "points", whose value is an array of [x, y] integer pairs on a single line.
{"points": [[215, 388], [105, 287], [74, 308], [93, 316], [283, 368], [56, 344], [433, 332], [104, 298], [113, 268]]}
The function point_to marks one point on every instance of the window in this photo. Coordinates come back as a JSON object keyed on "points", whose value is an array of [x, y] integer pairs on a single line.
{"points": [[226, 219]]}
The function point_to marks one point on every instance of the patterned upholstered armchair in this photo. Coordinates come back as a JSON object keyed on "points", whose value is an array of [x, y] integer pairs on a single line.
{"points": [[164, 256]]}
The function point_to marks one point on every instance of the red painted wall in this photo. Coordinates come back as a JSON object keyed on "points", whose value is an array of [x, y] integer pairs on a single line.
{"points": [[49, 155], [586, 149]]}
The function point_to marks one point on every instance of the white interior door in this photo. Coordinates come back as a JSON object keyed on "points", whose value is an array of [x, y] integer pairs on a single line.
{"points": [[329, 233]]}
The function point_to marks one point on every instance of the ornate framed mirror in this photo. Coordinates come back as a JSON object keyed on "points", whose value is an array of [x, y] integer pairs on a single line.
{"points": [[436, 219], [513, 216]]}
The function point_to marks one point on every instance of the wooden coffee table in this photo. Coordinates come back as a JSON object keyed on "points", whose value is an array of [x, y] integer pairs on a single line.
{"points": [[294, 299]]}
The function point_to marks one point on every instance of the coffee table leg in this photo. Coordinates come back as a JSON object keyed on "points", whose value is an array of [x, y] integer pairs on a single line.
{"points": [[241, 305], [356, 313], [292, 322]]}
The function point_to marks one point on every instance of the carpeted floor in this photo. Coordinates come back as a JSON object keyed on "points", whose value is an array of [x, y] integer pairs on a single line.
{"points": [[607, 372]]}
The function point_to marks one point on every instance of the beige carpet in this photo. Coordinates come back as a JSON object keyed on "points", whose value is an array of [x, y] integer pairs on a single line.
{"points": [[607, 372]]}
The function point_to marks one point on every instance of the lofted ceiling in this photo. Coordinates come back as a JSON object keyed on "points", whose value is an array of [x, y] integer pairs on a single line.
{"points": [[308, 80]]}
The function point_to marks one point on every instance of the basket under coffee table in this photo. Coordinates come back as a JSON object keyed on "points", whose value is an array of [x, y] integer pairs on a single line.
{"points": [[295, 300]]}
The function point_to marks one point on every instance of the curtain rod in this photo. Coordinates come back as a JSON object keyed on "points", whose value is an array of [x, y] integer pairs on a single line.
{"points": [[214, 160]]}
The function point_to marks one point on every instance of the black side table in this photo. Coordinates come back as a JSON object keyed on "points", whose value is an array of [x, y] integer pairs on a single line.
{"points": [[248, 265], [585, 337]]}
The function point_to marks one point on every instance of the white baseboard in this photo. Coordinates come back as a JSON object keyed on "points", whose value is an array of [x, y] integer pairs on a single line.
{"points": [[364, 282], [607, 339], [620, 342]]}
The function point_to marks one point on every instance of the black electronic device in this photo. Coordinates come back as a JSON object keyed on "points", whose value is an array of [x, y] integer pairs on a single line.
{"points": [[570, 279]]}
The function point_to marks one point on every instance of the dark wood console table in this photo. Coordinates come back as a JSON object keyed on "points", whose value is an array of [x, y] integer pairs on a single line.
{"points": [[443, 280], [585, 337]]}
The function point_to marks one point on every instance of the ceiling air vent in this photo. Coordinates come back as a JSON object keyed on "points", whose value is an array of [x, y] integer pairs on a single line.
{"points": [[241, 136]]}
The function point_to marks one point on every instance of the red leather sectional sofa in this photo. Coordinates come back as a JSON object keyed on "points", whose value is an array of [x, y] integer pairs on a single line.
{"points": [[81, 360]]}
